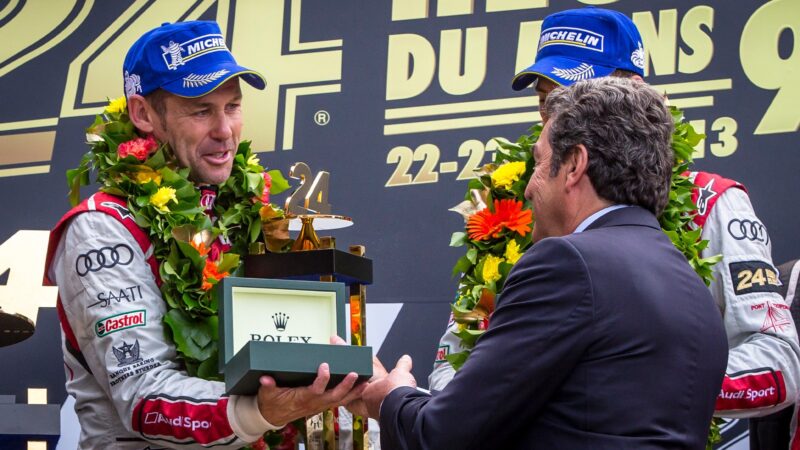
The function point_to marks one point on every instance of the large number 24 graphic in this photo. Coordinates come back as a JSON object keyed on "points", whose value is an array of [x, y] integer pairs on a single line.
{"points": [[22, 256]]}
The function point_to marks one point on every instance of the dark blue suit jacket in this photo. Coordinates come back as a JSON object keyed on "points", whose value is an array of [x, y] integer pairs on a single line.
{"points": [[605, 339]]}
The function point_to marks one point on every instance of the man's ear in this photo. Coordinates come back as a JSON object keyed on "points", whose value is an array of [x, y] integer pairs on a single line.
{"points": [[637, 78], [142, 115], [576, 165]]}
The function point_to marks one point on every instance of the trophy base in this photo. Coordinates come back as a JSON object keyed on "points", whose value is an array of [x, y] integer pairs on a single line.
{"points": [[293, 364], [309, 265]]}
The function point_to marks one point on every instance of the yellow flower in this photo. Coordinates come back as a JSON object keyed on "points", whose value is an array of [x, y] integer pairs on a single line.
{"points": [[507, 174], [512, 252], [163, 196], [491, 266], [145, 174], [253, 160], [117, 106]]}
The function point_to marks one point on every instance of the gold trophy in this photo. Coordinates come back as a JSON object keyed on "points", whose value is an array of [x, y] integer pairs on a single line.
{"points": [[306, 212]]}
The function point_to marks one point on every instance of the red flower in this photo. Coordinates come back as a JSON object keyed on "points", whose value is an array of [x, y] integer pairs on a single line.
{"points": [[140, 148], [289, 437], [217, 248], [260, 444], [508, 214], [267, 187]]}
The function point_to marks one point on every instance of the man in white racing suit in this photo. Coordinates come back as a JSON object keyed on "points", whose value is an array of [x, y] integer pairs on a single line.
{"points": [[763, 368], [130, 390]]}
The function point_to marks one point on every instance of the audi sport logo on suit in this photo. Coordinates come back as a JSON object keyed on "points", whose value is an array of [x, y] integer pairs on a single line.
{"points": [[752, 230], [103, 258], [181, 418], [180, 421], [751, 388]]}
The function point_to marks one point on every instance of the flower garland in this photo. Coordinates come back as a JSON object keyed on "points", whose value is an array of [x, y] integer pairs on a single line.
{"points": [[499, 220], [166, 205]]}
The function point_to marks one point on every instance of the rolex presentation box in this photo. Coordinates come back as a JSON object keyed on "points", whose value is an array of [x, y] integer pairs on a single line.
{"points": [[282, 328]]}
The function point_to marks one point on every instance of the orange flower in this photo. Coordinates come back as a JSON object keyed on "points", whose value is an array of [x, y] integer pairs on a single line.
{"points": [[355, 319], [200, 246], [508, 214], [210, 272]]}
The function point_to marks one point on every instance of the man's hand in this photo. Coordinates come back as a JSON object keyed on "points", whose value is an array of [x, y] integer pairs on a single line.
{"points": [[377, 390], [281, 405], [357, 407]]}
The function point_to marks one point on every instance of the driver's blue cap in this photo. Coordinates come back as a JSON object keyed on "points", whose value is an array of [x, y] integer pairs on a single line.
{"points": [[189, 59], [579, 44]]}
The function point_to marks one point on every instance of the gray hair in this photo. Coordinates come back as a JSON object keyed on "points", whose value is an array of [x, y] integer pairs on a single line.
{"points": [[627, 131]]}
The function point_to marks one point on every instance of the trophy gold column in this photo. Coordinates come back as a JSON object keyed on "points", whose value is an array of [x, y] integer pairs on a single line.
{"points": [[358, 336]]}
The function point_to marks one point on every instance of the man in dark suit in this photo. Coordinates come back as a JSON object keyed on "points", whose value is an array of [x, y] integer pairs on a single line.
{"points": [[599, 311]]}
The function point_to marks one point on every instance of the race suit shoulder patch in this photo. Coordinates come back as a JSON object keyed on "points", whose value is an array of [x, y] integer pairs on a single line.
{"points": [[753, 276]]}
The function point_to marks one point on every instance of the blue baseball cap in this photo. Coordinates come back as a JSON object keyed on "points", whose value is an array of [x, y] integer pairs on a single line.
{"points": [[188, 59], [579, 44]]}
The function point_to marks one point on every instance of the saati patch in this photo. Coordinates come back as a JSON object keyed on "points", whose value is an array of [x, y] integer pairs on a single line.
{"points": [[754, 276], [119, 322]]}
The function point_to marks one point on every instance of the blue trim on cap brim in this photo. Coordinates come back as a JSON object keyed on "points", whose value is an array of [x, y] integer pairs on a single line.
{"points": [[252, 78], [546, 66]]}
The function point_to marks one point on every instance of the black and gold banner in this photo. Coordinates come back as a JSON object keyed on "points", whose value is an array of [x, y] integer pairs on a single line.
{"points": [[399, 100]]}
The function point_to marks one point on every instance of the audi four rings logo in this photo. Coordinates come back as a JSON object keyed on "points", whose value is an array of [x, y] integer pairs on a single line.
{"points": [[104, 258], [751, 230]]}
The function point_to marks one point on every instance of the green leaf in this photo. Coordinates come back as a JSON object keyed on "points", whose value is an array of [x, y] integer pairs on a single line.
{"points": [[458, 239], [472, 255], [209, 369], [473, 184], [78, 177], [457, 360], [193, 337], [462, 265], [692, 137], [469, 337], [254, 180], [279, 183], [254, 230], [191, 254], [456, 308], [229, 262], [168, 269]]}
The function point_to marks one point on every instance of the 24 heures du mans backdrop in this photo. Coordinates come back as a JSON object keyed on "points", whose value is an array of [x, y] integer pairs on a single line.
{"points": [[399, 100]]}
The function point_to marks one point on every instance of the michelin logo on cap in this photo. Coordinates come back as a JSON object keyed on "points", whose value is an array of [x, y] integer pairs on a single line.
{"points": [[577, 37], [173, 54], [637, 57]]}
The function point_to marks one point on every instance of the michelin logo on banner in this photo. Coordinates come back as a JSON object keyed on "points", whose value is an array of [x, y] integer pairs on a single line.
{"points": [[577, 37]]}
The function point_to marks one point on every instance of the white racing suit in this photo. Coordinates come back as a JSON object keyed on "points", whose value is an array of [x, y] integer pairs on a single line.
{"points": [[130, 392], [764, 358]]}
